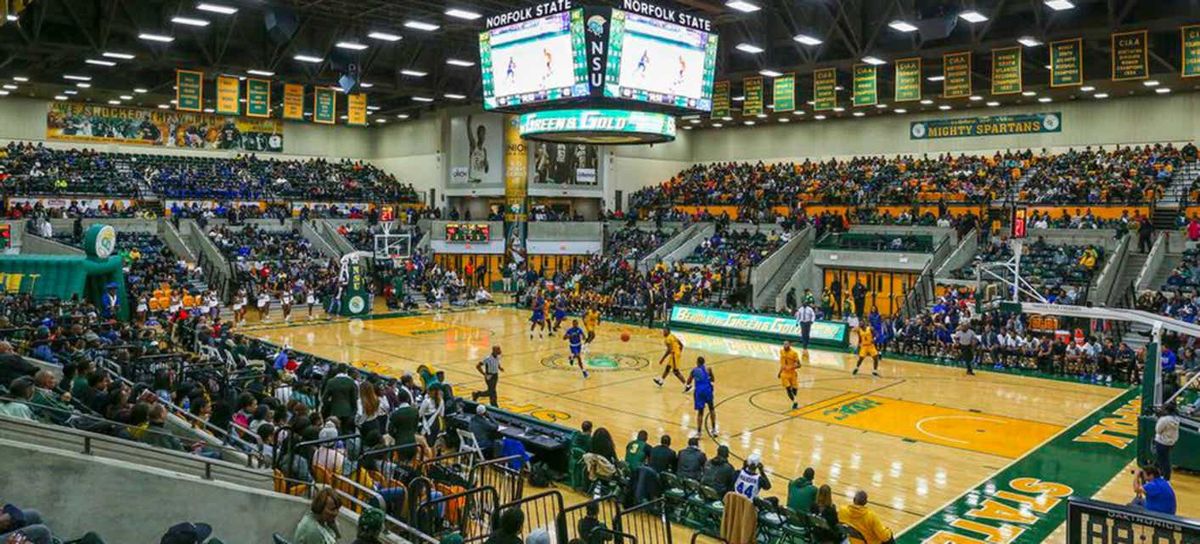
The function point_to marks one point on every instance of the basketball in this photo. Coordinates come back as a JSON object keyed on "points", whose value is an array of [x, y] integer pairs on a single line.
{"points": [[624, 337]]}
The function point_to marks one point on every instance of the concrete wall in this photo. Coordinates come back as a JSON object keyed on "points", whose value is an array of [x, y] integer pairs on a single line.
{"points": [[630, 168], [414, 152], [112, 498]]}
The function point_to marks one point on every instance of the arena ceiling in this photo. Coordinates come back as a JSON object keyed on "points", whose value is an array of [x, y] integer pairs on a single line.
{"points": [[436, 54]]}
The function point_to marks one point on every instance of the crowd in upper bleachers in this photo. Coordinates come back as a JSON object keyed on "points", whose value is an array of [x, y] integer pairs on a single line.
{"points": [[1060, 272]]}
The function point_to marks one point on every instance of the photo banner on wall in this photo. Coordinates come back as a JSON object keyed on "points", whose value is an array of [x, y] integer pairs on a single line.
{"points": [[475, 150], [356, 109], [293, 101], [825, 89], [1066, 63], [1130, 55], [89, 123], [516, 170], [908, 80], [189, 90], [1189, 63], [865, 85], [783, 93], [956, 69], [229, 94], [1006, 71], [324, 106], [995, 125], [752, 89], [565, 164], [721, 100], [258, 98]]}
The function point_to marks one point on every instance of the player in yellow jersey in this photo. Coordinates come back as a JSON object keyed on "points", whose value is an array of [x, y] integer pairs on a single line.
{"points": [[672, 356], [591, 322], [789, 361], [866, 348]]}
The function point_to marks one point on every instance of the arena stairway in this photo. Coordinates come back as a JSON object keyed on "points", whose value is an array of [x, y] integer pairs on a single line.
{"points": [[798, 250], [1175, 194]]}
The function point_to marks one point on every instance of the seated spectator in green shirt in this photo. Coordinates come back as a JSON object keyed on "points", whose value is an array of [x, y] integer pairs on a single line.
{"points": [[583, 438], [802, 492], [635, 451]]}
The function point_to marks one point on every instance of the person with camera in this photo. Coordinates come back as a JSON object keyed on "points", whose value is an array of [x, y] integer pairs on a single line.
{"points": [[1153, 492]]}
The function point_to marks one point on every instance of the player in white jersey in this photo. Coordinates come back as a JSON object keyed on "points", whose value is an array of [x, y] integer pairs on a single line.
{"points": [[752, 478], [240, 301], [285, 301], [264, 305]]}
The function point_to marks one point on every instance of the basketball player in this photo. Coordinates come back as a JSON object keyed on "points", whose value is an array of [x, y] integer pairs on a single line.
{"points": [[549, 70], [679, 77], [560, 311], [240, 302], [672, 356], [591, 322], [643, 63], [512, 70], [285, 301], [538, 319], [574, 338], [866, 348], [702, 396], [789, 361], [264, 305]]}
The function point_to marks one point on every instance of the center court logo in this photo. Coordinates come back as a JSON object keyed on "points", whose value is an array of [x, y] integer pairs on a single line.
{"points": [[598, 361]]}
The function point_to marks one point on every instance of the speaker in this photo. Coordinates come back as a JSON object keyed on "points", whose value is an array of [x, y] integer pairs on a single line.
{"points": [[281, 23], [936, 28]]}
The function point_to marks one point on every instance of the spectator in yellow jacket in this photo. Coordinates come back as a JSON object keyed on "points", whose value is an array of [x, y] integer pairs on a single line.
{"points": [[858, 516]]}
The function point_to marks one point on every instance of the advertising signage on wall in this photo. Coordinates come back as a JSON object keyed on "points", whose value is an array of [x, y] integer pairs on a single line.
{"points": [[956, 68], [825, 89], [752, 88], [768, 326], [1066, 63], [908, 80], [1006, 70], [1189, 37], [90, 123], [783, 96], [1130, 56], [996, 125], [865, 85]]}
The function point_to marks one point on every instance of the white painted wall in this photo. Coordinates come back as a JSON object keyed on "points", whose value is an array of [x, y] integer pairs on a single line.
{"points": [[413, 151], [630, 168]]}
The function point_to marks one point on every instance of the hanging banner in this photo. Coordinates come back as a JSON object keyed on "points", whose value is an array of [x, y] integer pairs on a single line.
{"points": [[324, 106], [1189, 36], [956, 68], [356, 109], [1130, 56], [783, 95], [258, 98], [996, 125], [1066, 63], [824, 89], [189, 90], [1006, 70], [865, 85], [720, 100], [90, 123], [229, 92], [908, 80], [516, 170], [752, 88], [293, 101]]}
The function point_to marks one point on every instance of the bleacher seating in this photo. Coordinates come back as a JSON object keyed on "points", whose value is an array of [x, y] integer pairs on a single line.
{"points": [[1060, 272]]}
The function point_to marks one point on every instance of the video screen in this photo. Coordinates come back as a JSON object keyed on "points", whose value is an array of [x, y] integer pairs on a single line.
{"points": [[467, 232], [659, 62], [534, 61]]}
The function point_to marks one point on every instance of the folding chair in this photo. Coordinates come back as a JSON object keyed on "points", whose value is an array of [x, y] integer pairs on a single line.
{"points": [[467, 442]]}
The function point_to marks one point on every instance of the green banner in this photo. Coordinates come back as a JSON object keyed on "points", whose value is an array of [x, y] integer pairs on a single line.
{"points": [[1130, 56], [324, 106], [783, 95], [1006, 70], [189, 90], [1066, 63], [996, 125], [825, 89], [908, 80], [769, 327], [1027, 500], [752, 89], [258, 98], [720, 106], [355, 292], [956, 68], [595, 121], [865, 85], [1189, 36]]}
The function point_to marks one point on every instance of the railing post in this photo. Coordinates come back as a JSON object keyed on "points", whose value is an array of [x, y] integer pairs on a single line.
{"points": [[87, 445], [207, 470]]}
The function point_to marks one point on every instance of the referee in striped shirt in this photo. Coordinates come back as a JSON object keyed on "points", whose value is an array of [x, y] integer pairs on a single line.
{"points": [[490, 368]]}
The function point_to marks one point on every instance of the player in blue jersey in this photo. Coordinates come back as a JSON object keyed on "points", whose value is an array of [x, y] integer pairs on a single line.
{"points": [[538, 319], [560, 311], [702, 396], [574, 338], [643, 63], [511, 76]]}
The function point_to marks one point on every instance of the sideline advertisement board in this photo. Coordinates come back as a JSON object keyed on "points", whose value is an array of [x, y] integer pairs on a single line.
{"points": [[829, 333]]}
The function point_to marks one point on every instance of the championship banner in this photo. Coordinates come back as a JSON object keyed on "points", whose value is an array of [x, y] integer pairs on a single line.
{"points": [[1130, 56], [996, 125], [720, 100], [92, 123], [1189, 36], [516, 170], [752, 88], [324, 106], [229, 91], [824, 89], [830, 333], [356, 109], [783, 95], [293, 101], [956, 68], [189, 90], [258, 98], [1066, 63], [1006, 71], [908, 80], [865, 85]]}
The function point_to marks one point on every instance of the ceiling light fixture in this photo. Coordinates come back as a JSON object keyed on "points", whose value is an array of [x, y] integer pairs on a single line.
{"points": [[944, 107], [770, 73], [84, 85], [354, 46], [926, 102], [717, 125], [1162, 90], [115, 55], [99, 62], [21, 79], [1059, 5], [859, 114], [140, 90], [413, 73], [806, 39], [1101, 95], [1028, 93], [873, 61], [1150, 83], [464, 14], [264, 73], [77, 78], [422, 99], [164, 106], [60, 97], [820, 117], [11, 87], [972, 16], [385, 36], [748, 123], [216, 8], [455, 96], [1045, 99], [421, 25], [459, 62], [126, 97], [902, 26], [70, 91], [748, 48], [1029, 41], [156, 37], [190, 21], [900, 110], [402, 116], [935, 78], [976, 98], [742, 6], [366, 85], [993, 104], [307, 58], [115, 102], [1087, 88]]}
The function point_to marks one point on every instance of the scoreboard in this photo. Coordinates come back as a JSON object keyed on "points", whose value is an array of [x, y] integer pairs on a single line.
{"points": [[468, 232]]}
